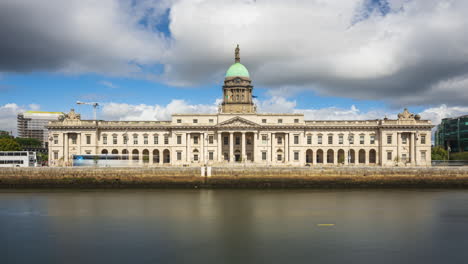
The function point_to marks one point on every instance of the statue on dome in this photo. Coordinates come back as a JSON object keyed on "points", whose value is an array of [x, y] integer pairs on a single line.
{"points": [[237, 59]]}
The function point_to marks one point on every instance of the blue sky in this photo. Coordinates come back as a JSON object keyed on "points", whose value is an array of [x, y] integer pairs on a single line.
{"points": [[359, 59]]}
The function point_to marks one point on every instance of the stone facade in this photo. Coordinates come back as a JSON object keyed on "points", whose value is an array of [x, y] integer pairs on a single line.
{"points": [[239, 135]]}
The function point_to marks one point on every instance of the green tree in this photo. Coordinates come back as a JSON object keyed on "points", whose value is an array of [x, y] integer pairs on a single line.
{"points": [[28, 142], [9, 144], [439, 153]]}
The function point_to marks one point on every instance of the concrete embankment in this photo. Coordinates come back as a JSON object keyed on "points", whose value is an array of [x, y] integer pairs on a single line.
{"points": [[235, 177]]}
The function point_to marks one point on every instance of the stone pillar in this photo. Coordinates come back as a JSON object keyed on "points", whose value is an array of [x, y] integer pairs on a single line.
{"points": [[202, 147], [140, 157], [65, 147], [398, 146], [272, 139], [243, 148], [231, 147], [367, 155], [412, 150], [346, 157], [189, 140], [220, 146], [335, 157], [161, 157], [150, 157], [314, 157], [286, 147]]}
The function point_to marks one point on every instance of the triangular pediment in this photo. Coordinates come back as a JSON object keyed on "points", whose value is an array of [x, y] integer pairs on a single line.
{"points": [[238, 122]]}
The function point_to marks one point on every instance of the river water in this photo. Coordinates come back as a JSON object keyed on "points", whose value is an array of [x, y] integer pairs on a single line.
{"points": [[234, 226]]}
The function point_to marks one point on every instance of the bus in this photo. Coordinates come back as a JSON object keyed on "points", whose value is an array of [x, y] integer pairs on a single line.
{"points": [[103, 160], [18, 159]]}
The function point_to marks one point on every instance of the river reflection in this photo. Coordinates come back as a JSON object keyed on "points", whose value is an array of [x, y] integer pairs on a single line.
{"points": [[234, 226]]}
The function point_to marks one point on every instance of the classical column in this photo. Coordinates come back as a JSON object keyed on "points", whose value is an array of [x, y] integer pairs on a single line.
{"points": [[65, 147], [367, 157], [314, 157], [220, 145], [272, 135], [202, 147], [161, 157], [335, 157], [188, 147], [398, 146], [412, 149], [231, 146], [254, 147], [150, 157], [140, 157], [286, 147], [243, 146], [346, 157]]}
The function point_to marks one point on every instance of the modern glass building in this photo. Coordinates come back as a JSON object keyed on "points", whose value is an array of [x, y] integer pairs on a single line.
{"points": [[33, 124], [453, 133]]}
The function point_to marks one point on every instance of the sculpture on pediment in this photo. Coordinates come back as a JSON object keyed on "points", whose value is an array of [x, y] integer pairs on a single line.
{"points": [[72, 115], [406, 115]]}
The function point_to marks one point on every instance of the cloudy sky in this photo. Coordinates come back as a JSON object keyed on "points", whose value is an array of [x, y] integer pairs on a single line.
{"points": [[147, 59]]}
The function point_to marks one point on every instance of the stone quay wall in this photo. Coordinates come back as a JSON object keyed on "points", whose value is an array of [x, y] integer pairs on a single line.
{"points": [[235, 177]]}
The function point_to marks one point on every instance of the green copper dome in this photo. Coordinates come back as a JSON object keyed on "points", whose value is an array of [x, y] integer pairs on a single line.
{"points": [[237, 69]]}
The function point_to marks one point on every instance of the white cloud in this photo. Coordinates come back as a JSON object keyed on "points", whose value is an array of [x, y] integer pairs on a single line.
{"points": [[108, 84], [125, 112], [415, 54], [8, 115]]}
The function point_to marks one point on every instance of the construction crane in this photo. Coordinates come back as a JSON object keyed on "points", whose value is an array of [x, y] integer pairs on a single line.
{"points": [[94, 104]]}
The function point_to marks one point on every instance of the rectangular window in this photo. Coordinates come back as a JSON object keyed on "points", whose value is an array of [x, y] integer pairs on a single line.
{"points": [[88, 139], [423, 155], [264, 121], [423, 139], [330, 139], [179, 121], [264, 139], [155, 139], [210, 139], [404, 139], [389, 156], [372, 139], [226, 140], [248, 141], [351, 139], [210, 155], [340, 139], [55, 155], [296, 155], [195, 140], [211, 121], [319, 139], [125, 139], [166, 139], [389, 139], [280, 121], [74, 139], [179, 155], [296, 121], [179, 139], [264, 155], [279, 140], [135, 139], [296, 139], [403, 157], [88, 152], [195, 157], [238, 140], [361, 139], [195, 121], [279, 157], [309, 139], [114, 139], [55, 139], [104, 140]]}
